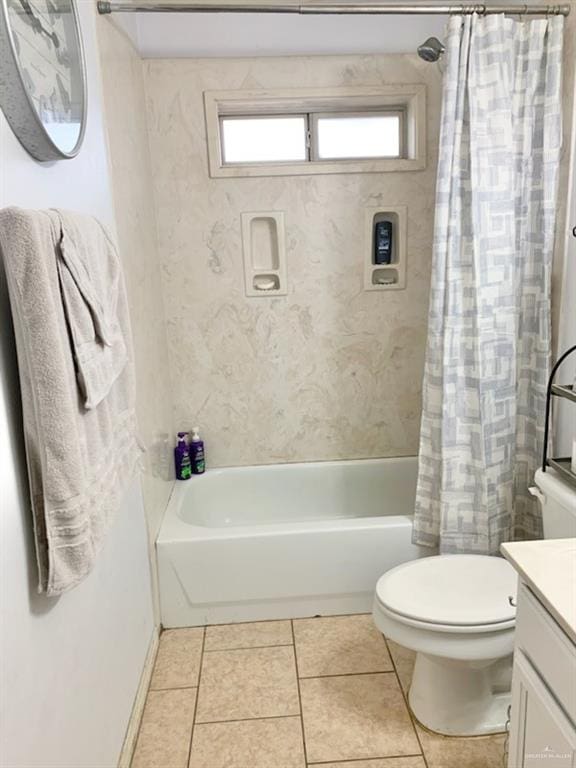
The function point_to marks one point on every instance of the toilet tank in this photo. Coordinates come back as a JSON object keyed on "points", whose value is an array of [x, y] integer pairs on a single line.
{"points": [[558, 503]]}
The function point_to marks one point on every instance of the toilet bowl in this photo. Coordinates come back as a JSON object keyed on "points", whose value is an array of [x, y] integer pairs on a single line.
{"points": [[457, 612]]}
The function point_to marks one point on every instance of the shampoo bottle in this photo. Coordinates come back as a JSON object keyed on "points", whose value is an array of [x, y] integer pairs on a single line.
{"points": [[197, 457], [182, 458]]}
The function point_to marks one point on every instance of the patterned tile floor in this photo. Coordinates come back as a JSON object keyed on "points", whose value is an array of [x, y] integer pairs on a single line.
{"points": [[326, 692]]}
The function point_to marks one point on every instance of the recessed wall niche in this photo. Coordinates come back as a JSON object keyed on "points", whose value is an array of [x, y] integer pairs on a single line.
{"points": [[385, 267], [263, 245]]}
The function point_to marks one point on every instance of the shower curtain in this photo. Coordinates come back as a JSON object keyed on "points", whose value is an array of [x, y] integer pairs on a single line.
{"points": [[489, 335]]}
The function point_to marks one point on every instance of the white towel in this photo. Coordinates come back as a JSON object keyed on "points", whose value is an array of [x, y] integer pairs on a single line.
{"points": [[90, 275], [79, 460]]}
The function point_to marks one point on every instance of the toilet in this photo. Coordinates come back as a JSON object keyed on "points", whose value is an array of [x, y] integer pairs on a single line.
{"points": [[458, 613]]}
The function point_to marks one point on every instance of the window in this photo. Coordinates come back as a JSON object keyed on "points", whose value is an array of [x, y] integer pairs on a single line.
{"points": [[304, 132], [307, 138], [341, 137], [264, 139]]}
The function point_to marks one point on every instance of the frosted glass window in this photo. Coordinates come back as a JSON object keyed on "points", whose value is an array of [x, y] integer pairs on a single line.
{"points": [[357, 136], [264, 139]]}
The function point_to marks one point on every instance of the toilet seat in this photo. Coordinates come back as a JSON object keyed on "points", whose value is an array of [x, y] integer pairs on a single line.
{"points": [[451, 593], [454, 629]]}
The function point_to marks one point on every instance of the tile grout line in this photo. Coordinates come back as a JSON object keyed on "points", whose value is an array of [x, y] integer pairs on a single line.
{"points": [[405, 697], [237, 623], [362, 759], [248, 648], [306, 677], [276, 621], [348, 674], [299, 694], [197, 698], [248, 719]]}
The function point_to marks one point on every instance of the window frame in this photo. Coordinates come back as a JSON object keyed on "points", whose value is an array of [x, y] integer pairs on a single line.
{"points": [[408, 99]]}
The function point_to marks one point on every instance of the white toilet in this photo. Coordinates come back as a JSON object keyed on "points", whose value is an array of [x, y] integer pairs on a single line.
{"points": [[457, 612]]}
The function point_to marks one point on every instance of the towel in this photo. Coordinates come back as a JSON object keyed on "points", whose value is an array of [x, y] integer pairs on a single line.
{"points": [[89, 272], [80, 460]]}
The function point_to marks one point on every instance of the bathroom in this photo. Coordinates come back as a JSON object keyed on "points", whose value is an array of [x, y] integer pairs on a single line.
{"points": [[304, 601]]}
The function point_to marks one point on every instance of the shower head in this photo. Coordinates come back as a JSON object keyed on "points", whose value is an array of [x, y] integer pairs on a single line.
{"points": [[431, 49]]}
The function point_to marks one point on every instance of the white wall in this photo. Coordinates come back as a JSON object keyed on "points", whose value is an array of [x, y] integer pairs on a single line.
{"points": [[194, 35], [564, 275], [70, 666], [566, 414], [158, 35]]}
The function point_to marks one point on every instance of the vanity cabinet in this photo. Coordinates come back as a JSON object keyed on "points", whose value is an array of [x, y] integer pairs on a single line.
{"points": [[543, 713]]}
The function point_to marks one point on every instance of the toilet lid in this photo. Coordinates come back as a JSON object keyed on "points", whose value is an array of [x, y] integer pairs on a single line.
{"points": [[462, 590]]}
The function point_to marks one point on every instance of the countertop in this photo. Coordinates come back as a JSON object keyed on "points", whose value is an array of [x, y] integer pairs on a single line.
{"points": [[548, 567]]}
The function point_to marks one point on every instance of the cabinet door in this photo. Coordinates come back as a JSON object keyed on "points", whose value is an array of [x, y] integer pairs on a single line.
{"points": [[540, 733]]}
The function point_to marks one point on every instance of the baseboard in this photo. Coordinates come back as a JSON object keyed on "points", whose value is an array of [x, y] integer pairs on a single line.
{"points": [[139, 702]]}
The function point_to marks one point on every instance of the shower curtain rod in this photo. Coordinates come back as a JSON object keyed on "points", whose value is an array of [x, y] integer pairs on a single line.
{"points": [[109, 6]]}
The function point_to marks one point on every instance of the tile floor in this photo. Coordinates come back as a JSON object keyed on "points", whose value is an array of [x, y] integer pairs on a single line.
{"points": [[327, 692]]}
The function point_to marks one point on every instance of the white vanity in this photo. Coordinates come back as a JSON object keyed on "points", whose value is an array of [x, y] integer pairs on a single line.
{"points": [[543, 714]]}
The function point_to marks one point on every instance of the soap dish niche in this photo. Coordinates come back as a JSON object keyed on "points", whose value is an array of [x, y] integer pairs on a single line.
{"points": [[264, 252], [266, 283], [384, 277], [387, 275]]}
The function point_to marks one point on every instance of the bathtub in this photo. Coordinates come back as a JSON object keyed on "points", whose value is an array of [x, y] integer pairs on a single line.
{"points": [[283, 541]]}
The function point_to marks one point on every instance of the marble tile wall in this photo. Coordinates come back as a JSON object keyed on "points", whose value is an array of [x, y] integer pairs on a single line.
{"points": [[125, 119], [328, 371]]}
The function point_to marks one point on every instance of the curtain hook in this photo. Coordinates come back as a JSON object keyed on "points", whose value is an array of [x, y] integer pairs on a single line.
{"points": [[522, 11]]}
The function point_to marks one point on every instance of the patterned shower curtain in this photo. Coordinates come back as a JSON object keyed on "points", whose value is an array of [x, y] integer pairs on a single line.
{"points": [[489, 335]]}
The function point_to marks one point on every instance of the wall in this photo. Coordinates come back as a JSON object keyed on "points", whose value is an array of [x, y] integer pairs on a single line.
{"points": [[123, 91], [567, 158], [329, 371], [70, 666], [565, 421], [170, 36], [566, 411]]}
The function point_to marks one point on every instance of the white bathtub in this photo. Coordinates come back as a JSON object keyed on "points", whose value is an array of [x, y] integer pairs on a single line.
{"points": [[284, 540]]}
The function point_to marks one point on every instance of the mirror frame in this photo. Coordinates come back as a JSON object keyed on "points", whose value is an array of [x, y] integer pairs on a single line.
{"points": [[17, 104]]}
